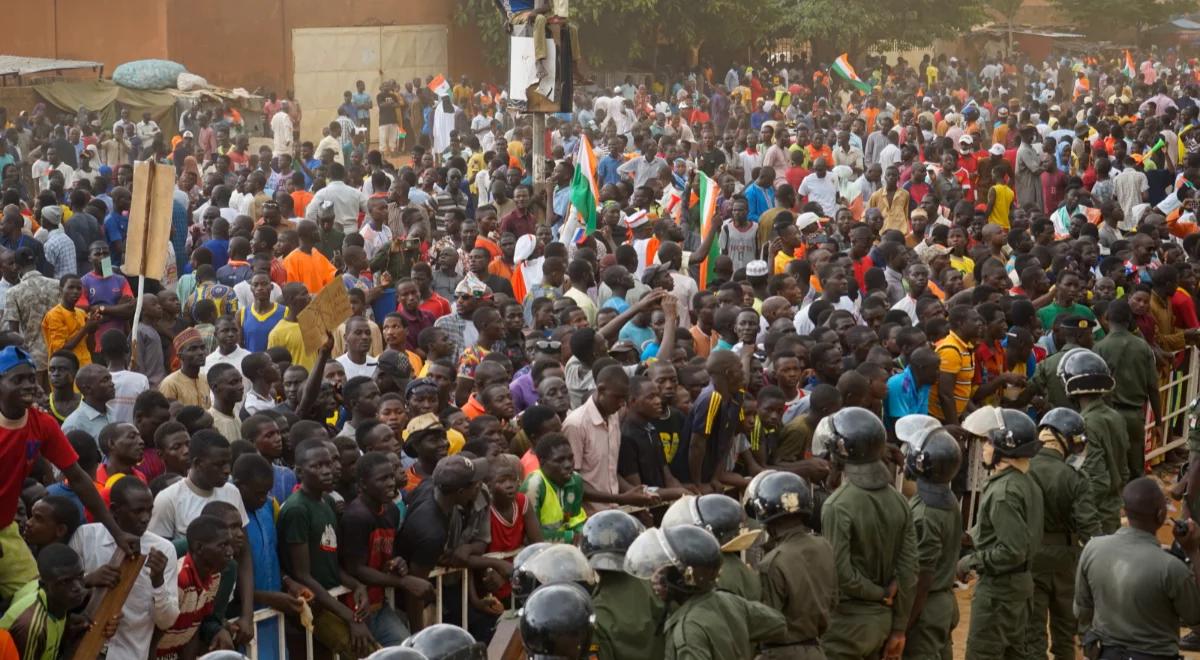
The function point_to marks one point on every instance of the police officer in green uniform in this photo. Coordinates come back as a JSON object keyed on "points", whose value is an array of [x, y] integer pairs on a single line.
{"points": [[1130, 356], [627, 613], [1088, 380], [1075, 332], [725, 518], [932, 459], [1069, 521], [798, 574], [1007, 533], [870, 527], [682, 564], [557, 623], [1131, 597]]}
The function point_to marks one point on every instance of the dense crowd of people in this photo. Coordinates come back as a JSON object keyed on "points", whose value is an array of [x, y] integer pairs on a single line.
{"points": [[1002, 251]]}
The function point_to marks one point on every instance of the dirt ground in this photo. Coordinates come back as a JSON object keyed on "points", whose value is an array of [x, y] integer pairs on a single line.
{"points": [[1165, 473]]}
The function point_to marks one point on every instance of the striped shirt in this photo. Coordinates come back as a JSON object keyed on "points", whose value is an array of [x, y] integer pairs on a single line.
{"points": [[958, 358], [35, 632], [196, 596]]}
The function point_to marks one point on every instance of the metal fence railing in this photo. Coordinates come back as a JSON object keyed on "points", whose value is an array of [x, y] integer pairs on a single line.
{"points": [[1177, 394]]}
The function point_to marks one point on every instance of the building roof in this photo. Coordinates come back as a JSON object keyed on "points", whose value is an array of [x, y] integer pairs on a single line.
{"points": [[23, 66]]}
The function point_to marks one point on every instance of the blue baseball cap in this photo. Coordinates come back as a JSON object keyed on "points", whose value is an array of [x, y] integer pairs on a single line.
{"points": [[12, 357]]}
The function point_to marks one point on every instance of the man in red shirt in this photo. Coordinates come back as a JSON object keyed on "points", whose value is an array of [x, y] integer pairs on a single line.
{"points": [[26, 433], [210, 549]]}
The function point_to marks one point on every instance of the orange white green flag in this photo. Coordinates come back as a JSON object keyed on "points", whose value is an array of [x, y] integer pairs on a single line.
{"points": [[707, 191], [1128, 69], [841, 66]]}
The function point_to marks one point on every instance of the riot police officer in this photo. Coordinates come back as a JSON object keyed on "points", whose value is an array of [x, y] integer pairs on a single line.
{"points": [[1088, 381], [933, 458], [870, 527], [682, 564], [1131, 595], [443, 641], [1007, 533], [1069, 521], [725, 518], [557, 622], [627, 613], [798, 574]]}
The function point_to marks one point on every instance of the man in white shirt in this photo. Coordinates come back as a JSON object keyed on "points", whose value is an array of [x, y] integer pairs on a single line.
{"points": [[357, 360], [147, 129], [890, 155], [333, 143], [153, 601], [819, 187], [51, 163], [282, 130], [227, 350], [347, 202], [1131, 188]]}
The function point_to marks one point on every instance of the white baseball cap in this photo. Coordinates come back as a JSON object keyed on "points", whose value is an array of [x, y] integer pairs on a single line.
{"points": [[996, 149]]}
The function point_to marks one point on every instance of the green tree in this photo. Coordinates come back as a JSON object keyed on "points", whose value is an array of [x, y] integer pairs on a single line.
{"points": [[853, 26], [615, 33], [1109, 17], [1007, 9]]}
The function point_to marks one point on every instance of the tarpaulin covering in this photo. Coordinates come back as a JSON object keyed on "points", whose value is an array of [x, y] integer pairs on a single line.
{"points": [[103, 95]]}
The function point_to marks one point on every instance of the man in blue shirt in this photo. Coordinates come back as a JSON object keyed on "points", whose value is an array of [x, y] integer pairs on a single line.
{"points": [[908, 391], [606, 170], [116, 225], [760, 195]]}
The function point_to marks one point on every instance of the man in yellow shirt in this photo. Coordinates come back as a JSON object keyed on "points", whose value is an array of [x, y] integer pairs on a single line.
{"points": [[66, 327], [287, 332], [950, 398]]}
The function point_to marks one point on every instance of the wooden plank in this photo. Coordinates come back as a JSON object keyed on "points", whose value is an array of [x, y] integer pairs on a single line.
{"points": [[149, 220], [110, 605]]}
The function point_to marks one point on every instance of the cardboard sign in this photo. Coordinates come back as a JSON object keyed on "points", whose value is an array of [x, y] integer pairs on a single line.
{"points": [[149, 220], [327, 310]]}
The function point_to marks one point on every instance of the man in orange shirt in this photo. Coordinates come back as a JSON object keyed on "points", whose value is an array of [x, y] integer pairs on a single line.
{"points": [[306, 264], [300, 196], [66, 327]]}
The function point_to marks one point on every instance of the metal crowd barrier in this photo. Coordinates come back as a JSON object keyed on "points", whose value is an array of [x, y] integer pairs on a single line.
{"points": [[436, 576], [1178, 393]]}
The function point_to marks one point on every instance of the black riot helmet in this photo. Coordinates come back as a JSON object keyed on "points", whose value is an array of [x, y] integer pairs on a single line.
{"points": [[392, 653], [938, 458], [1010, 432], [690, 555], [773, 494], [1067, 426], [443, 641], [1084, 372], [557, 622], [606, 537], [523, 582], [856, 436], [719, 514]]}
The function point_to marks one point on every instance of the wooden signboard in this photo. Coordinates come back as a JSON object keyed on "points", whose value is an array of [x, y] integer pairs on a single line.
{"points": [[328, 309], [110, 605], [149, 220]]}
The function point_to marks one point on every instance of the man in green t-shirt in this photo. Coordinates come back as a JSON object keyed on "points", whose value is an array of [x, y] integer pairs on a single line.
{"points": [[1066, 293], [37, 617], [309, 554]]}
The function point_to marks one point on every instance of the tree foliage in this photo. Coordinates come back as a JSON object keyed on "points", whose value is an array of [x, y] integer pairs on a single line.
{"points": [[1108, 17], [616, 33], [856, 25]]}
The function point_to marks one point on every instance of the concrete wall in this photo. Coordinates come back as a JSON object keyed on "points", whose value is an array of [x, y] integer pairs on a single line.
{"points": [[258, 52], [232, 43], [112, 31]]}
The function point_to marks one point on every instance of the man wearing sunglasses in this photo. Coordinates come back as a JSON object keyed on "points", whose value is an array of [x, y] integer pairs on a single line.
{"points": [[469, 293]]}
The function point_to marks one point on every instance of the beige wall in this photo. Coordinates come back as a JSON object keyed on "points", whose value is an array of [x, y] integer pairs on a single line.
{"points": [[225, 41]]}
